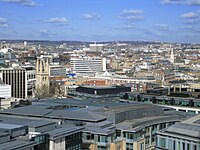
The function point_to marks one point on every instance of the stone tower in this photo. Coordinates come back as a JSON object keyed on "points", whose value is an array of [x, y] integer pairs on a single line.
{"points": [[42, 75]]}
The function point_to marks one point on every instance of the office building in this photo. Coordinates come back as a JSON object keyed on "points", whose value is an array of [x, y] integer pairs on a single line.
{"points": [[57, 71], [96, 47], [87, 65], [19, 79]]}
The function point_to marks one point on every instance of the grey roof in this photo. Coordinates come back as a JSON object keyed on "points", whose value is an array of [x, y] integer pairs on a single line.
{"points": [[189, 127], [28, 111], [39, 123], [76, 115], [185, 129], [3, 134], [103, 128], [23, 120], [64, 131], [131, 106], [139, 124], [17, 145], [9, 126]]}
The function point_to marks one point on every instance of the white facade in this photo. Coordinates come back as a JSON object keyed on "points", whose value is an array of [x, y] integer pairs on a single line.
{"points": [[58, 144], [5, 91], [172, 56], [104, 64], [87, 65], [5, 50], [96, 47]]}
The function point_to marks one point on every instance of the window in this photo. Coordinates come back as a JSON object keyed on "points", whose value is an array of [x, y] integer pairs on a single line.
{"points": [[174, 145], [162, 142], [178, 145], [142, 146], [129, 146], [60, 142], [188, 146], [183, 145], [170, 144], [194, 147]]}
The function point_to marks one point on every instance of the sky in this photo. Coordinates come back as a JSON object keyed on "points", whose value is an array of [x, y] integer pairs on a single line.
{"points": [[101, 20]]}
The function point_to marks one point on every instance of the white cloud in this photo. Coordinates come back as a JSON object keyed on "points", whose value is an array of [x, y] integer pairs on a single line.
{"points": [[173, 1], [184, 2], [91, 16], [126, 27], [162, 27], [133, 11], [190, 15], [61, 21], [43, 31], [132, 14], [21, 2], [3, 23]]}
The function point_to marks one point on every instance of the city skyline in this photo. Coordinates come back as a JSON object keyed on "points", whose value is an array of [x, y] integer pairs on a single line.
{"points": [[159, 20]]}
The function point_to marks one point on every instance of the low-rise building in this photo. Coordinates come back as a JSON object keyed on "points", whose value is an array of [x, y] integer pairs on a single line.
{"points": [[183, 135]]}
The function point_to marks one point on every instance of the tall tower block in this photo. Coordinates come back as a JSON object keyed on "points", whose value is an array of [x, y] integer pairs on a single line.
{"points": [[172, 55]]}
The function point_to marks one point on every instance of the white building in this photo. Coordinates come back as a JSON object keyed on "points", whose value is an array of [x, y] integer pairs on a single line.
{"points": [[96, 47], [5, 50], [88, 65], [5, 91]]}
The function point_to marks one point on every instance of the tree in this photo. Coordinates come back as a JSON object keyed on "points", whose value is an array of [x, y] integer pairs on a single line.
{"points": [[43, 91]]}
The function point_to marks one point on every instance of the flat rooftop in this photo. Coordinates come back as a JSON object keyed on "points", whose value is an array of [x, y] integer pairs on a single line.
{"points": [[17, 145], [9, 126]]}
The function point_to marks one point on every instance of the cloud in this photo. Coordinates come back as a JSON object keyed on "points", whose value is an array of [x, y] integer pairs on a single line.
{"points": [[61, 21], [129, 26], [190, 15], [183, 2], [162, 27], [45, 33], [194, 2], [192, 29], [173, 1], [3, 23], [132, 14], [21, 2], [91, 16]]}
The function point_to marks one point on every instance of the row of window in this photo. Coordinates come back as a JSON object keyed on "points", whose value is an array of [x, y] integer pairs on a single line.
{"points": [[172, 144]]}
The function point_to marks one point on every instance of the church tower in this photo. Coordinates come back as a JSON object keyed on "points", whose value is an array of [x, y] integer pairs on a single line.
{"points": [[42, 75]]}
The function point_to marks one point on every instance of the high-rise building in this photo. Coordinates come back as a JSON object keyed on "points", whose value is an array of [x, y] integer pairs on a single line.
{"points": [[25, 43], [18, 78], [88, 65], [172, 55]]}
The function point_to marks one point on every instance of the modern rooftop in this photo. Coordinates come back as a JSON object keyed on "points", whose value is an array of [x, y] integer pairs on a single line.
{"points": [[189, 128]]}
